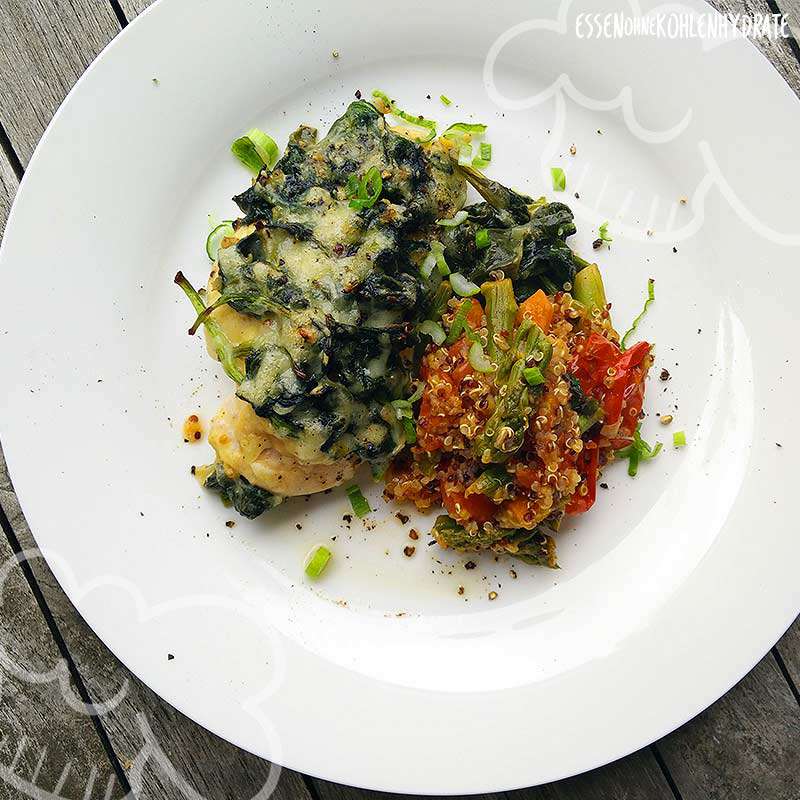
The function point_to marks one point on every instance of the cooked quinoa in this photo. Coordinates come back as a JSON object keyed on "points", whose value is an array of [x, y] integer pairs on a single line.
{"points": [[502, 484]]}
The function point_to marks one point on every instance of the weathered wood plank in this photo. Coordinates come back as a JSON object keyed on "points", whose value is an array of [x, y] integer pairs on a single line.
{"points": [[211, 766], [8, 188], [778, 52], [791, 9], [45, 46], [133, 8], [42, 733], [789, 649], [747, 745], [602, 783], [43, 50], [637, 777]]}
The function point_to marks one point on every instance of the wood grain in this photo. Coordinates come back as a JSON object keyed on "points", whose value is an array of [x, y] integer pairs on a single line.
{"points": [[45, 46], [746, 746], [133, 8], [778, 52], [43, 49], [8, 188], [789, 651], [743, 747], [211, 766], [791, 8], [637, 777], [42, 736]]}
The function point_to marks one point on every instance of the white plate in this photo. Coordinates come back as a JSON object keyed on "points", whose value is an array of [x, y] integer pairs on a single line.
{"points": [[670, 590]]}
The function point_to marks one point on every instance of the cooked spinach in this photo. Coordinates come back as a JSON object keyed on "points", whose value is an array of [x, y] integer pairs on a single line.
{"points": [[250, 501]]}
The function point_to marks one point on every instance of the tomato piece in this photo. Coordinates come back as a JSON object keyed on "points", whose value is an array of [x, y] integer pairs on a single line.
{"points": [[587, 465], [591, 365], [537, 308], [622, 383]]}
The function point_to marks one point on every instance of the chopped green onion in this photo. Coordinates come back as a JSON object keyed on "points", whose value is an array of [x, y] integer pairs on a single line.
{"points": [[357, 500], [651, 296], [365, 191], [679, 439], [559, 179], [454, 221], [222, 345], [465, 155], [434, 330], [465, 127], [603, 231], [445, 99], [459, 322], [478, 359], [462, 286], [481, 238], [256, 150], [437, 249], [638, 450], [484, 158], [413, 119], [317, 560], [225, 228], [410, 430], [533, 376], [427, 265]]}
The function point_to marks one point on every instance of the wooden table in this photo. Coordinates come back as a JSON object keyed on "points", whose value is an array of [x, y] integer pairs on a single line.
{"points": [[745, 747]]}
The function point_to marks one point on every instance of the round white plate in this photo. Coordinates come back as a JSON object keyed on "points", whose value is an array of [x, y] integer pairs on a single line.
{"points": [[381, 674]]}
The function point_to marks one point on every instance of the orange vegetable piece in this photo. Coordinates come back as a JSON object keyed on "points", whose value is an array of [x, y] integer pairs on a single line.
{"points": [[475, 314], [515, 510], [476, 507], [537, 308]]}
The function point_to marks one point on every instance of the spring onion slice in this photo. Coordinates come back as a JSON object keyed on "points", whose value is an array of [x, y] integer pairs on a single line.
{"points": [[478, 359], [317, 560], [357, 500], [445, 99], [638, 450], [651, 296], [265, 146], [365, 191], [255, 150], [481, 238], [462, 286], [222, 345], [454, 221], [434, 330], [559, 179], [474, 129], [679, 439], [484, 157], [603, 231], [533, 376], [412, 119], [465, 155], [437, 249], [428, 265], [225, 228]]}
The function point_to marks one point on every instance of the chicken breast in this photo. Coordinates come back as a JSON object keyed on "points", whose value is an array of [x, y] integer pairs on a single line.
{"points": [[247, 446]]}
